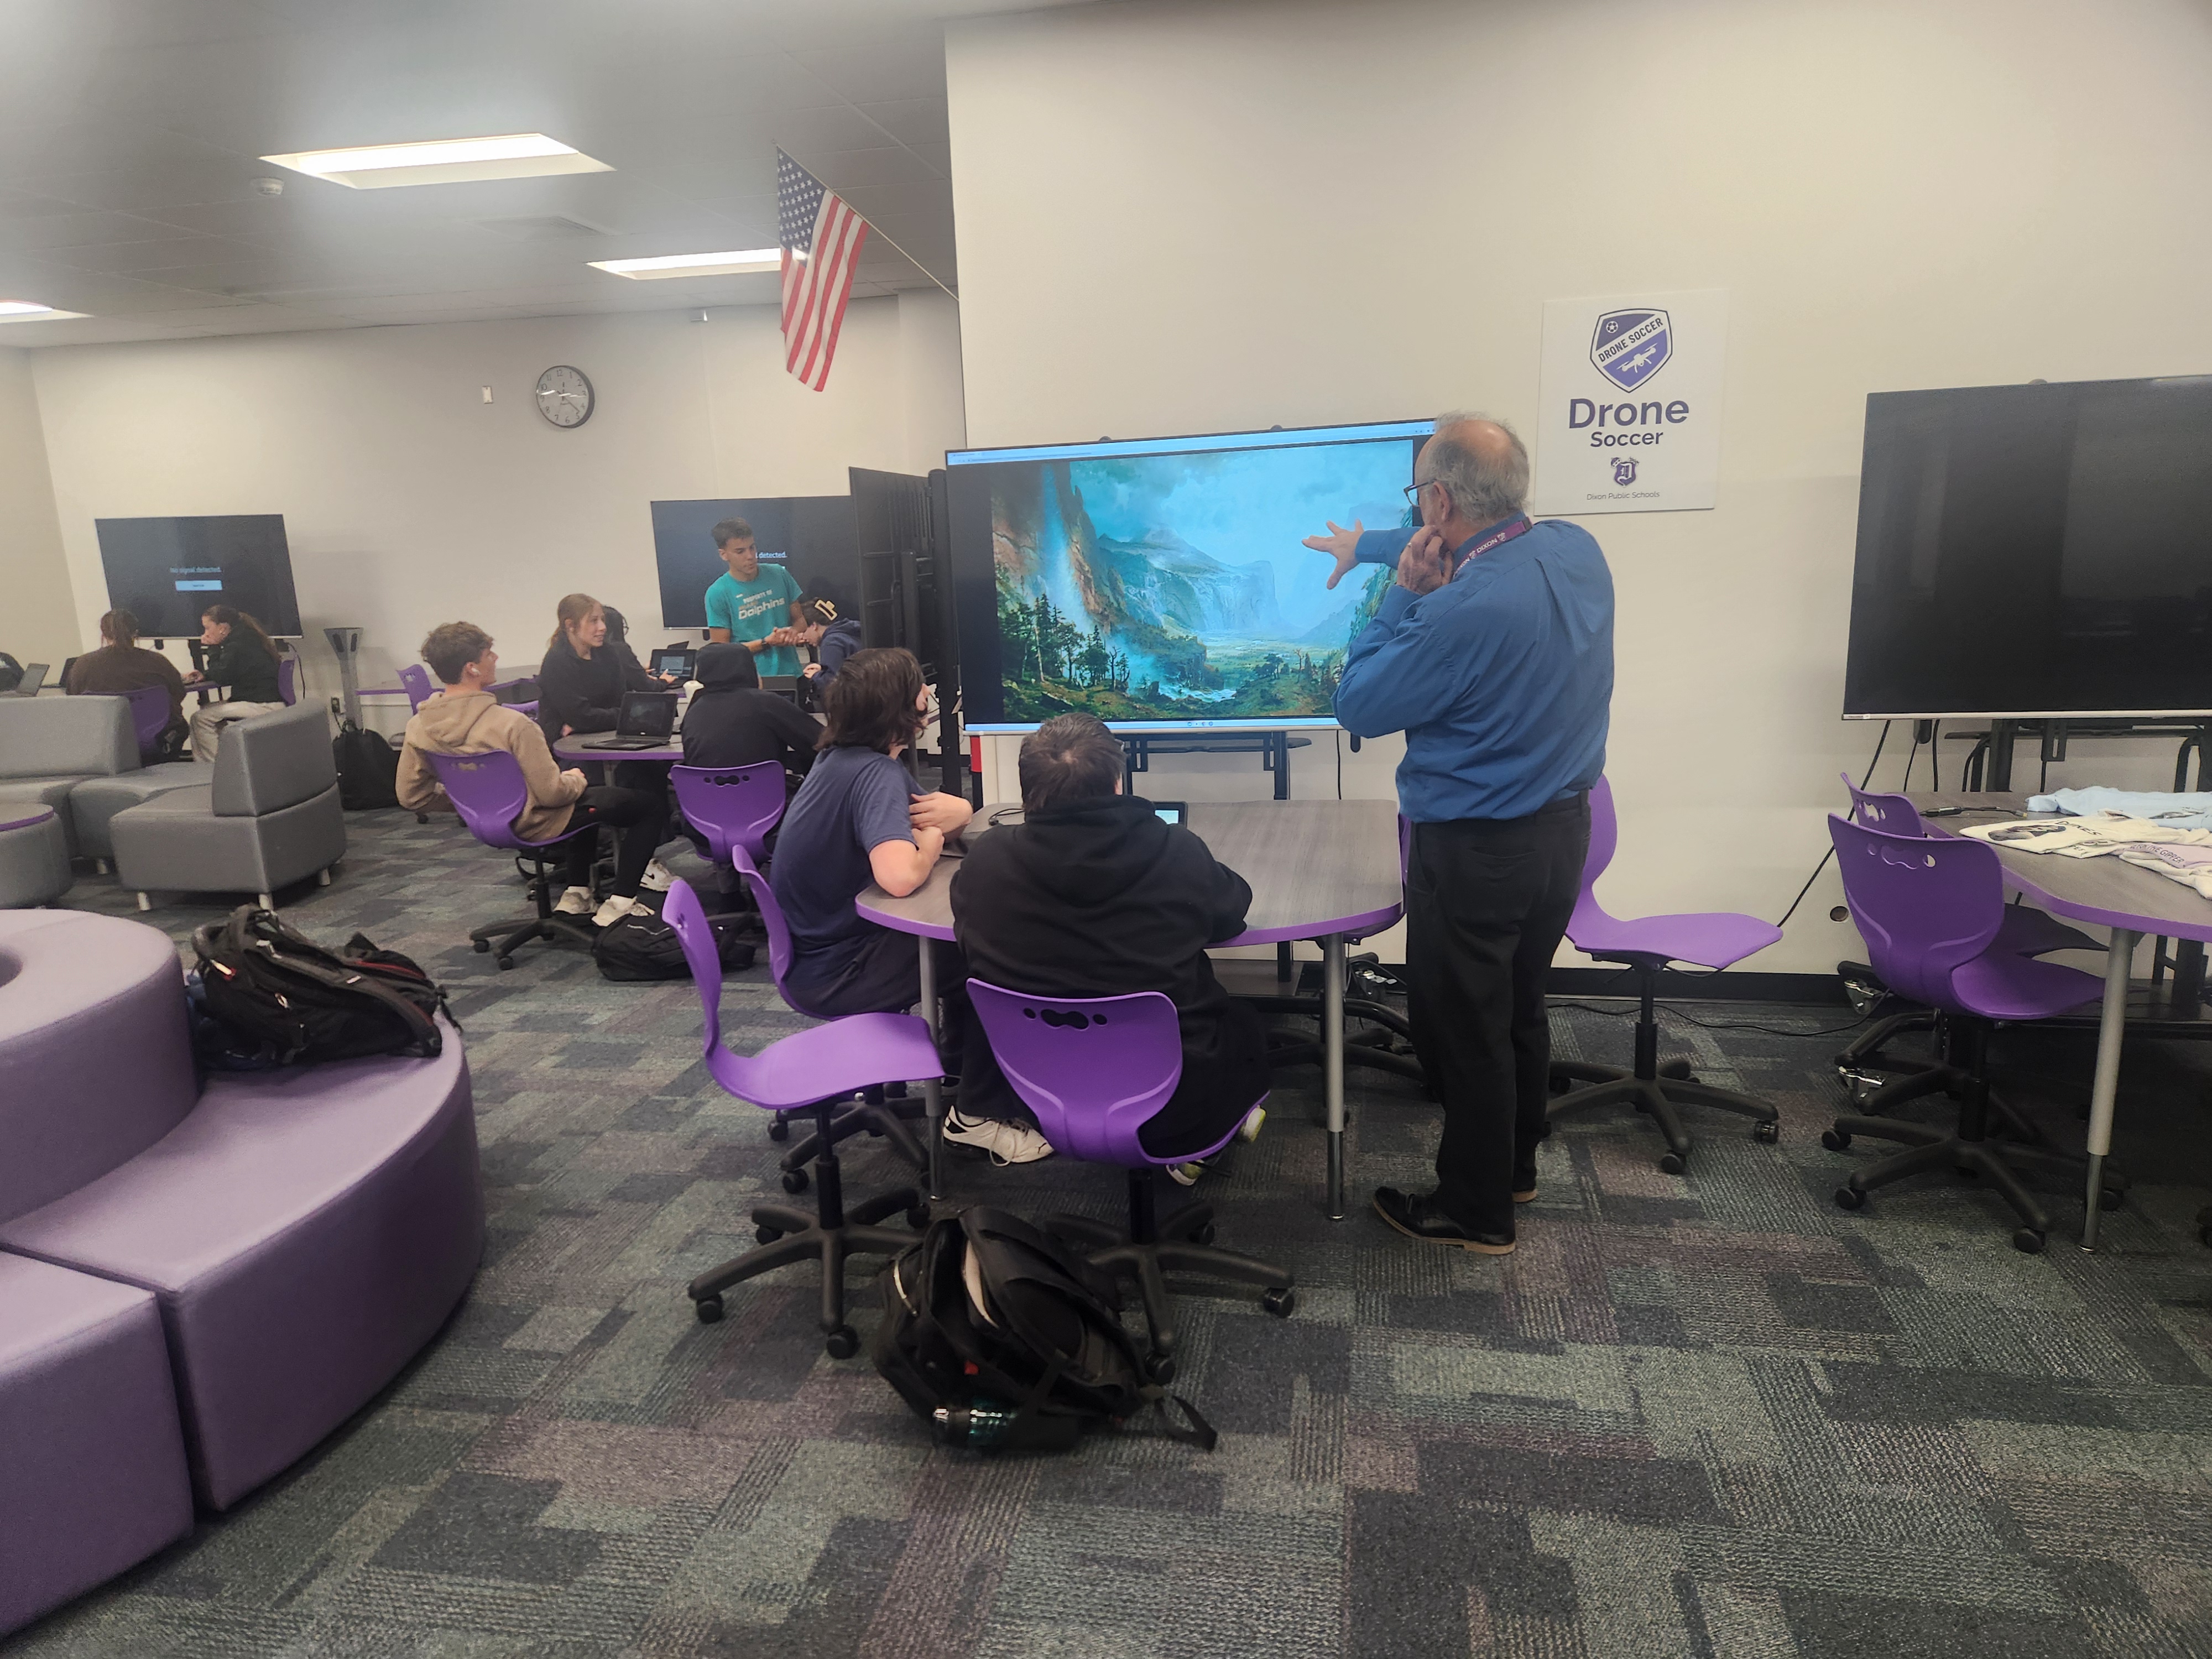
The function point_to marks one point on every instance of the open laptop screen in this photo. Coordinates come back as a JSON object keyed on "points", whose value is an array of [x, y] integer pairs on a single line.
{"points": [[646, 714]]}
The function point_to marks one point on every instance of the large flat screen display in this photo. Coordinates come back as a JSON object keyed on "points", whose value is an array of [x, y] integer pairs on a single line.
{"points": [[167, 571], [2035, 550], [1161, 583], [810, 536]]}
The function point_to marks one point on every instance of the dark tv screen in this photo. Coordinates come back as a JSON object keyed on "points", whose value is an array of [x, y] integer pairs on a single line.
{"points": [[2035, 550], [810, 536], [167, 571], [1161, 583]]}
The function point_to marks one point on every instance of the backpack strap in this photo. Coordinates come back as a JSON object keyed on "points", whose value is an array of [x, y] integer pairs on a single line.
{"points": [[1201, 1433]]}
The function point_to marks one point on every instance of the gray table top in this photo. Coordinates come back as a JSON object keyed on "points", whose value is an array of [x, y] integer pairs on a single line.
{"points": [[1315, 867], [2104, 890], [571, 749]]}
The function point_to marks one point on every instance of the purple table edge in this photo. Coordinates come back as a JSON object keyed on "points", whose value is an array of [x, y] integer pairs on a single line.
{"points": [[2127, 927], [1331, 933]]}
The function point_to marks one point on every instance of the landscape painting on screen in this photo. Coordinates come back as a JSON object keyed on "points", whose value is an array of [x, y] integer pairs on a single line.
{"points": [[1176, 587]]}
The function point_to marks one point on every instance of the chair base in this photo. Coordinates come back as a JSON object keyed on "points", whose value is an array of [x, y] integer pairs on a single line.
{"points": [[506, 938], [829, 1237], [887, 1119], [1863, 1059], [1655, 1087], [1940, 1078], [1151, 1250], [2002, 1167]]}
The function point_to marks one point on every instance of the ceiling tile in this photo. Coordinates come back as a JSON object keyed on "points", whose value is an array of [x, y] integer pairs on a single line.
{"points": [[912, 120], [875, 75]]}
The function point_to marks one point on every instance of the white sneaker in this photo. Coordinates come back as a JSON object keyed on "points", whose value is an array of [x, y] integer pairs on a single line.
{"points": [[1007, 1143], [1249, 1131], [576, 902], [657, 876], [614, 910], [1187, 1175]]}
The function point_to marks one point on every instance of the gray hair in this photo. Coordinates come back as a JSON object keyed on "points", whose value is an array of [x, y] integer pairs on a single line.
{"points": [[1481, 490]]}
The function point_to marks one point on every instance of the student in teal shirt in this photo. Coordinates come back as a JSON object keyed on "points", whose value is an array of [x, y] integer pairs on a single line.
{"points": [[758, 609]]}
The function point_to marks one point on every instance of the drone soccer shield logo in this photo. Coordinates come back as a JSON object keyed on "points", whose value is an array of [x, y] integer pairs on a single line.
{"points": [[1630, 347], [1624, 471]]}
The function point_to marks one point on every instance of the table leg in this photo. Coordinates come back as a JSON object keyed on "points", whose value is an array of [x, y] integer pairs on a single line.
{"points": [[2110, 1027], [932, 1092], [1332, 1032]]}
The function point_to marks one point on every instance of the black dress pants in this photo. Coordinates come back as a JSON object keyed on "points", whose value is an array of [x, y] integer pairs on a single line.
{"points": [[1487, 903], [640, 820]]}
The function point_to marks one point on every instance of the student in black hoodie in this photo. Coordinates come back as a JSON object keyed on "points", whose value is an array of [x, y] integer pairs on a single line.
{"points": [[731, 721], [579, 689], [1092, 895]]}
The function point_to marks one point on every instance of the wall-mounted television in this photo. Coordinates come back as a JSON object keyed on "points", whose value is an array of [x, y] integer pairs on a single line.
{"points": [[1161, 583], [167, 571], [810, 536], [2034, 550]]}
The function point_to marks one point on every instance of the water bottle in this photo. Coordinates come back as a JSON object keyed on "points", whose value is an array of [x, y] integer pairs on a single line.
{"points": [[981, 1423]]}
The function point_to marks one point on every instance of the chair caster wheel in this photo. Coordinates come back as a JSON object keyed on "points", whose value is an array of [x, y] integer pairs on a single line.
{"points": [[506, 963], [1850, 1198], [767, 1235], [1672, 1163], [842, 1343], [1159, 1368], [794, 1180], [709, 1309], [1769, 1133], [1678, 1069], [918, 1217], [2110, 1198], [2027, 1241], [483, 945], [1835, 1140], [1282, 1301], [779, 1127], [1203, 1235]]}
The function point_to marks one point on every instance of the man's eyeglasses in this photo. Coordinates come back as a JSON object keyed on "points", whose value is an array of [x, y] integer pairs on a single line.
{"points": [[1412, 493]]}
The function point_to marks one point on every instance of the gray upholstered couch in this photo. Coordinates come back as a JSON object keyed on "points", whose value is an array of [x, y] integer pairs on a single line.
{"points": [[49, 745], [268, 815]]}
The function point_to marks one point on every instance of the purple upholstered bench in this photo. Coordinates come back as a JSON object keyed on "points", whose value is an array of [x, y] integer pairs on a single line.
{"points": [[305, 1232], [92, 1462]]}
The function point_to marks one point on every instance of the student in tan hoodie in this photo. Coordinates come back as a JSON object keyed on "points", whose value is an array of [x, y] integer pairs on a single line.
{"points": [[466, 718]]}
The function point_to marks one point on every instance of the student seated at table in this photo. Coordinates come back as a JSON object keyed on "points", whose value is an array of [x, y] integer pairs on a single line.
{"points": [[860, 818], [834, 637], [466, 718], [731, 721], [1092, 895], [579, 689], [123, 665], [242, 656], [636, 676]]}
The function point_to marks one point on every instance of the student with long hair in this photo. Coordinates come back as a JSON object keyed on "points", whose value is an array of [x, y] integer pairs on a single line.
{"points": [[123, 665], [859, 817], [579, 689], [241, 656]]}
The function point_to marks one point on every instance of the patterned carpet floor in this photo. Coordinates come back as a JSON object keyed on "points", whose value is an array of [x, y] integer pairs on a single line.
{"points": [[1702, 1415]]}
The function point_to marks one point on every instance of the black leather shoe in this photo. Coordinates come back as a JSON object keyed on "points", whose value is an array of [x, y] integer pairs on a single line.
{"points": [[1416, 1215]]}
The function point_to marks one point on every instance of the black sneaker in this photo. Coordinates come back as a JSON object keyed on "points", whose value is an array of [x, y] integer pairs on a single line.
{"points": [[1417, 1216]]}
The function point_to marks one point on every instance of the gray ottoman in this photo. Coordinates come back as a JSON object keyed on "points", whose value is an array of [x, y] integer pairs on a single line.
{"points": [[34, 858], [96, 800]]}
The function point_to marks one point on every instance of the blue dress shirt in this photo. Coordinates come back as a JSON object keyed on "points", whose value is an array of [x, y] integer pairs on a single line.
{"points": [[1501, 680]]}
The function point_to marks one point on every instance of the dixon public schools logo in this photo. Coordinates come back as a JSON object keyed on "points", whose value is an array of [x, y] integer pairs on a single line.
{"points": [[1630, 347], [1624, 472]]}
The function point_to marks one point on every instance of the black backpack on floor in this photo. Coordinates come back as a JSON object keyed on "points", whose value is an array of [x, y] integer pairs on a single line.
{"points": [[642, 946], [1003, 1340], [286, 1000], [369, 768]]}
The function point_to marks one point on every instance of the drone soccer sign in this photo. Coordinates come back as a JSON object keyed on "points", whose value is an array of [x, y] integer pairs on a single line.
{"points": [[1631, 419]]}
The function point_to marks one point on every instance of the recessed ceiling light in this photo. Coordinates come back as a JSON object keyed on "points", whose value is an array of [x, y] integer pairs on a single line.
{"points": [[441, 162], [694, 265], [30, 311]]}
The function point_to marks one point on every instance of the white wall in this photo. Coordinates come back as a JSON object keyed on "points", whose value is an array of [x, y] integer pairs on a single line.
{"points": [[1205, 217], [41, 618], [409, 502]]}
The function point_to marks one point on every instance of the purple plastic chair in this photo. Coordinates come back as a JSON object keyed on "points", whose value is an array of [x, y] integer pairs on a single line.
{"points": [[731, 807], [1930, 909], [488, 792], [1712, 938], [149, 718], [415, 680], [1095, 1070], [809, 1071], [288, 680], [875, 1114]]}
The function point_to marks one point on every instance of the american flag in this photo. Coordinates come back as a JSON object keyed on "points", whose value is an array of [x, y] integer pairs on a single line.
{"points": [[821, 237]]}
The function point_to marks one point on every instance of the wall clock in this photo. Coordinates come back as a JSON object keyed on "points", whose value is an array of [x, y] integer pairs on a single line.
{"points": [[564, 396]]}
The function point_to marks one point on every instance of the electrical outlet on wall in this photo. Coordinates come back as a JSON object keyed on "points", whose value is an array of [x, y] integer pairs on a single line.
{"points": [[486, 394]]}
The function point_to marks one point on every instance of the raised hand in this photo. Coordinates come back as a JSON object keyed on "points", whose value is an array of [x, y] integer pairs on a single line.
{"points": [[1342, 543]]}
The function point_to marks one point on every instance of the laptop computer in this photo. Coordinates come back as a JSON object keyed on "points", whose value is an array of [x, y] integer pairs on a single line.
{"points": [[35, 676], [677, 660], [647, 721]]}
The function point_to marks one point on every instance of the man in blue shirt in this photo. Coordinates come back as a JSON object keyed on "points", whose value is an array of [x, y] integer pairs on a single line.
{"points": [[1494, 654], [757, 608]]}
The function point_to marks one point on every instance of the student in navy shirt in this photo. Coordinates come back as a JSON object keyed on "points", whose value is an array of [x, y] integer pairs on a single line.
{"points": [[1494, 654]]}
